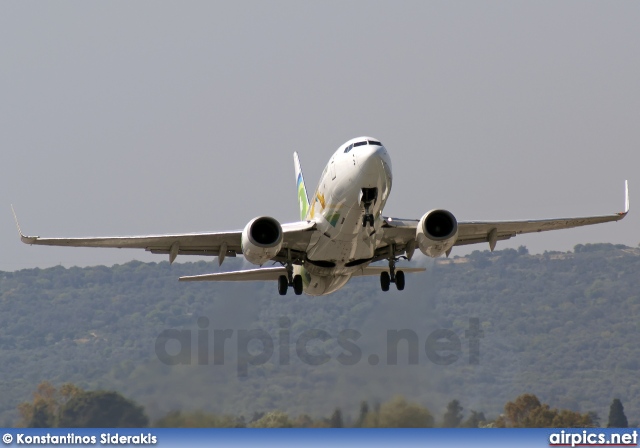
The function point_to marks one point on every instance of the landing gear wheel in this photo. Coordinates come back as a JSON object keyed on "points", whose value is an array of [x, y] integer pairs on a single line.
{"points": [[283, 285], [297, 284], [400, 280], [385, 281]]}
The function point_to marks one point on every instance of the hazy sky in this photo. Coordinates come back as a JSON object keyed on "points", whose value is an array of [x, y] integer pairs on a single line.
{"points": [[124, 118]]}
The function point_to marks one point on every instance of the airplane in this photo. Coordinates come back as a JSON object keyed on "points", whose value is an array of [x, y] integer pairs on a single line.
{"points": [[340, 233]]}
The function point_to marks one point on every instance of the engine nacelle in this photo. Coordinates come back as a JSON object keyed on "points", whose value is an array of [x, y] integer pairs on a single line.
{"points": [[437, 232], [261, 239]]}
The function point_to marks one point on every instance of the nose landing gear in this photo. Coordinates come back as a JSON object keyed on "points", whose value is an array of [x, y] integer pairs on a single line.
{"points": [[367, 218], [368, 197]]}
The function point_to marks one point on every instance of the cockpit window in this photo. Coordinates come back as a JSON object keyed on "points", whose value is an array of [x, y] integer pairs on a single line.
{"points": [[364, 142]]}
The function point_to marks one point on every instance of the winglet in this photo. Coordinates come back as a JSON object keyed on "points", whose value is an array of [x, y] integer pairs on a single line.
{"points": [[626, 197], [15, 217], [23, 238], [303, 198]]}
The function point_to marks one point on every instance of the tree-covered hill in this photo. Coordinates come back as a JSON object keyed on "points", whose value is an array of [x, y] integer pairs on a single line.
{"points": [[562, 326]]}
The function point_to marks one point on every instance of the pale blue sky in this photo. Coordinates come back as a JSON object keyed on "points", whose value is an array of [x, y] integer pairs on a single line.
{"points": [[121, 118]]}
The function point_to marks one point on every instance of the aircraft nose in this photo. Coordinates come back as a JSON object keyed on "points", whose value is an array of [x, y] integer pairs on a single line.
{"points": [[373, 162], [370, 156]]}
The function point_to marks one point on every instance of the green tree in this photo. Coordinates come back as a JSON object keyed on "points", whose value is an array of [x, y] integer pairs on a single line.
{"points": [[570, 419], [364, 410], [474, 420], [398, 413], [617, 419], [198, 419], [303, 421], [453, 416], [41, 417], [273, 419], [527, 412], [518, 413], [336, 419], [256, 416], [47, 400], [95, 409]]}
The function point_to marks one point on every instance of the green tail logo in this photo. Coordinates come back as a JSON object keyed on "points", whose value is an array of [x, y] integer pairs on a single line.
{"points": [[303, 199]]}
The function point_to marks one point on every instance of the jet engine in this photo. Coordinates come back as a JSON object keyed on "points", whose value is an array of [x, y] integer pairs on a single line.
{"points": [[261, 239], [437, 232]]}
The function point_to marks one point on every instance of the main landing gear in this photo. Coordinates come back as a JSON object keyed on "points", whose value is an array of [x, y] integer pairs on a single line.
{"points": [[395, 277], [284, 281], [386, 278]]}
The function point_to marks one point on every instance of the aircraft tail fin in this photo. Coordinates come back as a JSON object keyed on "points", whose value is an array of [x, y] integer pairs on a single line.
{"points": [[303, 199]]}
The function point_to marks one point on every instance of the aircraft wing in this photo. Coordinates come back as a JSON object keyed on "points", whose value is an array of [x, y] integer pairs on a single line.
{"points": [[295, 237], [480, 231], [401, 232]]}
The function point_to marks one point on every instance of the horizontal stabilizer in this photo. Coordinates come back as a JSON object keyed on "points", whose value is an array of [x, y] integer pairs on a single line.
{"points": [[377, 270], [250, 275]]}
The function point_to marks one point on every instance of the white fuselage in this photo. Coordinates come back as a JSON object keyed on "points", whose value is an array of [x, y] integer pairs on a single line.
{"points": [[342, 243]]}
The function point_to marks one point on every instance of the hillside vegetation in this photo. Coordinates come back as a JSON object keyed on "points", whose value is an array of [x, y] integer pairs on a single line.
{"points": [[562, 326]]}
